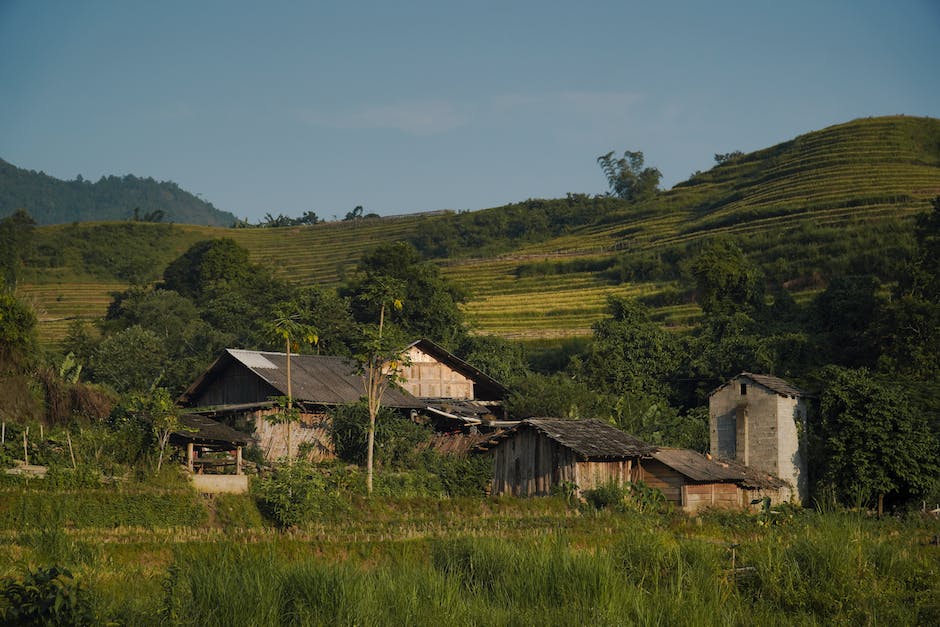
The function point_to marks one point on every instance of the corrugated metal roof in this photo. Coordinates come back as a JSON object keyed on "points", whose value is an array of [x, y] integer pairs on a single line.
{"points": [[202, 430], [315, 379], [591, 439]]}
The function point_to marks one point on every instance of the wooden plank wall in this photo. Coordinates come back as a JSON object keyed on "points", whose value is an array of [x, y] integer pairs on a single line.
{"points": [[427, 377], [657, 475], [720, 495], [529, 464]]}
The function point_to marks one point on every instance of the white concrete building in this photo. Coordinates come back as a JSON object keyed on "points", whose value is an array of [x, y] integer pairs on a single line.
{"points": [[760, 421]]}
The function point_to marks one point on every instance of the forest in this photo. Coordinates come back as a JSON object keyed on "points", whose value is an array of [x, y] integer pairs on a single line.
{"points": [[52, 201]]}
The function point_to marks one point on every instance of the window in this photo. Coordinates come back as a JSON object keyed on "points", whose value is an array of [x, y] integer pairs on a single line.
{"points": [[744, 389]]}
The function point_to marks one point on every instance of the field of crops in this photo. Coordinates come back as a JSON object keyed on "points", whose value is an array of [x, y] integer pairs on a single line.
{"points": [[466, 561], [795, 207]]}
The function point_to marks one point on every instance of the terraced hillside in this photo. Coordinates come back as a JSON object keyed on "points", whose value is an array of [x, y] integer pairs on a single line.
{"points": [[824, 203], [836, 194]]}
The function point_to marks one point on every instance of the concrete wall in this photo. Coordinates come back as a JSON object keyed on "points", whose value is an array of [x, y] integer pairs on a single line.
{"points": [[221, 484], [759, 428], [791, 428], [426, 377]]}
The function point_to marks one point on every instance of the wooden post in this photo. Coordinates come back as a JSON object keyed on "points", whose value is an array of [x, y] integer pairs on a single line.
{"points": [[3, 433], [189, 456], [238, 460], [71, 452], [25, 449]]}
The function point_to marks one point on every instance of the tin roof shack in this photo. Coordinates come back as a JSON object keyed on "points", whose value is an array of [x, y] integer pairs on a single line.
{"points": [[457, 394], [540, 454], [760, 421], [691, 481], [238, 386]]}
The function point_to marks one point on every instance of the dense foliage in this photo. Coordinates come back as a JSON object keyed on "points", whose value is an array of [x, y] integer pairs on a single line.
{"points": [[52, 201]]}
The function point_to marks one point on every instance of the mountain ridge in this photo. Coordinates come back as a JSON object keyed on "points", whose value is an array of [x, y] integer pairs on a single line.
{"points": [[53, 201]]}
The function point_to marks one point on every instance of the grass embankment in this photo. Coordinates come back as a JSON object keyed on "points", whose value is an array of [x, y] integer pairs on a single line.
{"points": [[472, 561]]}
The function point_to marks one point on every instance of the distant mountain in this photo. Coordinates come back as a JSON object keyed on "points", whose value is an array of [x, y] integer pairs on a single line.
{"points": [[52, 201]]}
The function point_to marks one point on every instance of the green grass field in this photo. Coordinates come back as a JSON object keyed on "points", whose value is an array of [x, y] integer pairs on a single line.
{"points": [[470, 561]]}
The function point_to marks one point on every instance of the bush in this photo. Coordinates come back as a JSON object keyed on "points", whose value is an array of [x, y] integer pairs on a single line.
{"points": [[48, 596], [294, 494], [396, 437]]}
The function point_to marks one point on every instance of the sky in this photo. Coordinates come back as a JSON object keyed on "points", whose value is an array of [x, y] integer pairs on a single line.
{"points": [[402, 107]]}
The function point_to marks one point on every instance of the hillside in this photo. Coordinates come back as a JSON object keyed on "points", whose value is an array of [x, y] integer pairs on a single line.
{"points": [[827, 203], [52, 201]]}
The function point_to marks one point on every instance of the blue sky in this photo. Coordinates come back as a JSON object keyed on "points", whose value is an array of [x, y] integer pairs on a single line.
{"points": [[415, 106]]}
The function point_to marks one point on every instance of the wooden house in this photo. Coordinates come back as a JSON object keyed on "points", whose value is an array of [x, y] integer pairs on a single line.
{"points": [[538, 455], [455, 393], [760, 421], [238, 387], [691, 481]]}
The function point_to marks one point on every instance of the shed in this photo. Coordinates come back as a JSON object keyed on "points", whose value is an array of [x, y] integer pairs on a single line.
{"points": [[538, 455], [207, 434], [692, 481]]}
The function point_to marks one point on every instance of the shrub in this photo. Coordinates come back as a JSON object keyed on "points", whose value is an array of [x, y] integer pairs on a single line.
{"points": [[48, 596]]}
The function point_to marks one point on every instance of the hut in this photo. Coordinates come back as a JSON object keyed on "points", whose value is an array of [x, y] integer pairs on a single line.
{"points": [[201, 436], [538, 455], [691, 481]]}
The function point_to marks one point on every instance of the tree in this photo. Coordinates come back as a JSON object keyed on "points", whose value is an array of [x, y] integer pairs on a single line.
{"points": [[158, 409], [430, 302], [871, 440], [379, 357], [630, 353], [502, 359], [627, 177], [844, 316], [17, 329], [288, 324], [726, 280], [16, 240], [131, 360]]}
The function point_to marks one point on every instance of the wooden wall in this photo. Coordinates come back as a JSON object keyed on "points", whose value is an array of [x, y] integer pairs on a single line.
{"points": [[657, 475], [531, 464], [427, 377], [314, 429], [235, 385], [683, 493]]}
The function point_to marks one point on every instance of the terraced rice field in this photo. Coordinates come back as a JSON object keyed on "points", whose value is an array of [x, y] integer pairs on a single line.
{"points": [[323, 254], [57, 305], [851, 177]]}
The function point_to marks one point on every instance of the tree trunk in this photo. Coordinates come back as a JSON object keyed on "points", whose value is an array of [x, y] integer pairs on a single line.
{"points": [[369, 453], [290, 401]]}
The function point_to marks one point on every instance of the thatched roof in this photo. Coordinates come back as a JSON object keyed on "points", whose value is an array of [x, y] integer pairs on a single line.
{"points": [[774, 384], [589, 439], [701, 469], [315, 379]]}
